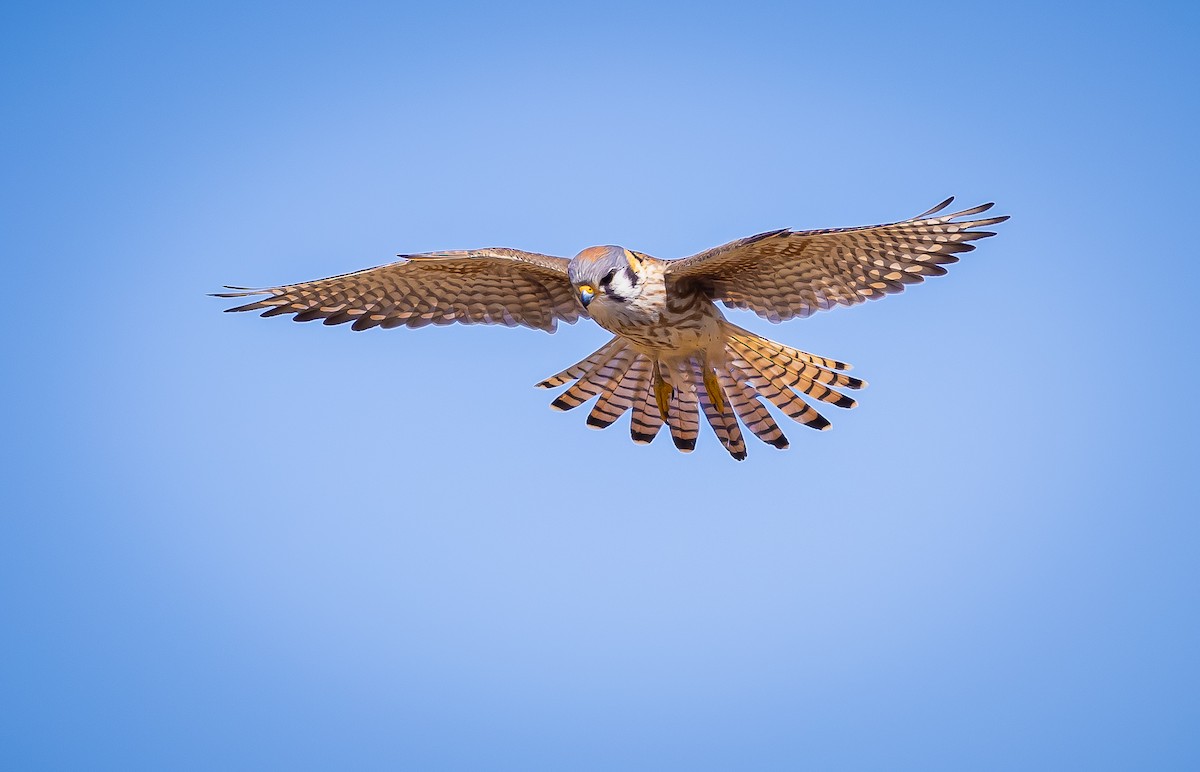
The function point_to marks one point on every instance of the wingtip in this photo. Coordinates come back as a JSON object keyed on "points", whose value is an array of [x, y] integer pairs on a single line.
{"points": [[935, 209], [237, 292]]}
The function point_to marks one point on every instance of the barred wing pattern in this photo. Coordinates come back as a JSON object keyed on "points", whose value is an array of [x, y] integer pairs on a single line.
{"points": [[784, 274], [481, 286]]}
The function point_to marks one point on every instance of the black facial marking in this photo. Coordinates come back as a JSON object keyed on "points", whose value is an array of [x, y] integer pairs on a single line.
{"points": [[633, 277], [606, 284]]}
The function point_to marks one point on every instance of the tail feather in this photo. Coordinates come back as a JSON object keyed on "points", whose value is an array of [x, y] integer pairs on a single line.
{"points": [[799, 363], [730, 391], [782, 397], [646, 420], [723, 421], [751, 411], [806, 378], [770, 347], [596, 380], [582, 366], [618, 396], [684, 418]]}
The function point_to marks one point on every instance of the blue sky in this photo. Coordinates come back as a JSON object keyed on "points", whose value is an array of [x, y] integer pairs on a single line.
{"points": [[231, 542]]}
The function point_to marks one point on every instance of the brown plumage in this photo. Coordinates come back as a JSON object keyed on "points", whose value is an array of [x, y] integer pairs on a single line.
{"points": [[673, 356]]}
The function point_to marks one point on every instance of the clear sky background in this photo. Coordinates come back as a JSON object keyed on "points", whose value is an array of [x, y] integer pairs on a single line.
{"points": [[231, 542]]}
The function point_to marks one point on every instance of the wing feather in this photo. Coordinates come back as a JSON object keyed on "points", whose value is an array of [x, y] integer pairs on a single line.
{"points": [[483, 286], [784, 274]]}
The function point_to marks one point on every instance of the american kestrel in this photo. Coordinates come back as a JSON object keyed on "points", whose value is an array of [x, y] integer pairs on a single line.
{"points": [[673, 354]]}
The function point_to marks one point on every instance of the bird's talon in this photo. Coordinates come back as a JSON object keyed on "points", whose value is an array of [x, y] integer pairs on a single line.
{"points": [[713, 387], [662, 395]]}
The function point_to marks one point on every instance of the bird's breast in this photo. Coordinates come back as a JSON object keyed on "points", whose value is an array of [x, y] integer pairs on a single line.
{"points": [[661, 324]]}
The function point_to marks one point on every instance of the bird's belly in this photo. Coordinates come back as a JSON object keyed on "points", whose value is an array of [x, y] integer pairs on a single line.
{"points": [[666, 333]]}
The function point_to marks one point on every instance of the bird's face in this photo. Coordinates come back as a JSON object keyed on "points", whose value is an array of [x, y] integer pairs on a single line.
{"points": [[607, 275]]}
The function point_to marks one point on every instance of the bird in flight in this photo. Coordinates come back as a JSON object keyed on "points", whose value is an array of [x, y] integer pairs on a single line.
{"points": [[673, 354]]}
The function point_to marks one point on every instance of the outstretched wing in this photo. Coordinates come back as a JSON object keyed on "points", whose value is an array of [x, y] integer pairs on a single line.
{"points": [[783, 274], [480, 286]]}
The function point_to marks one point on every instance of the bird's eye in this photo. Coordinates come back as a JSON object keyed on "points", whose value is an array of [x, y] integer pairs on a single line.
{"points": [[608, 277]]}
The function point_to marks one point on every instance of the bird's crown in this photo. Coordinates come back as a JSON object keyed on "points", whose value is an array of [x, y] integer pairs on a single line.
{"points": [[593, 263]]}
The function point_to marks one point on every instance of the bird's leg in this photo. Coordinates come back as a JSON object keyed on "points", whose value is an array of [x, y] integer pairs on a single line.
{"points": [[713, 387], [662, 391]]}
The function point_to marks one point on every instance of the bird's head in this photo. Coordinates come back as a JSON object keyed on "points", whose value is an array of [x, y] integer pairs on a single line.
{"points": [[606, 274]]}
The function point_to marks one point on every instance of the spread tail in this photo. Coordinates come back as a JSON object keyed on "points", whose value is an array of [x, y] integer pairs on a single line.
{"points": [[727, 392]]}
